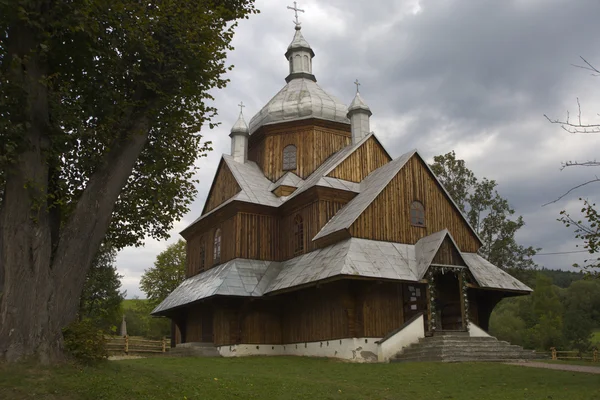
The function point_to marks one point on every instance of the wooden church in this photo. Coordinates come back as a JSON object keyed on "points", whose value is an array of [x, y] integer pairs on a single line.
{"points": [[314, 240]]}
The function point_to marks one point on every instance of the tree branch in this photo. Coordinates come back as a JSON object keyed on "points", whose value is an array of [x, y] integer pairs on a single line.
{"points": [[588, 67], [570, 190]]}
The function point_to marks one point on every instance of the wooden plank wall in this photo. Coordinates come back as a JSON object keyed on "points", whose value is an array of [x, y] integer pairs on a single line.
{"points": [[224, 187], [193, 325], [316, 314], [314, 145], [336, 310], [314, 215], [228, 246], [388, 217], [382, 309], [447, 254], [261, 322], [257, 237], [366, 159]]}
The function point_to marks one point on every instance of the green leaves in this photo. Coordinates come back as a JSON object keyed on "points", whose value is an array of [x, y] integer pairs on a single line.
{"points": [[101, 296], [168, 272], [488, 213], [106, 67], [587, 229]]}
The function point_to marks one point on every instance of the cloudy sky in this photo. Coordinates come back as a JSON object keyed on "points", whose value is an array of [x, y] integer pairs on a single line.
{"points": [[439, 75]]}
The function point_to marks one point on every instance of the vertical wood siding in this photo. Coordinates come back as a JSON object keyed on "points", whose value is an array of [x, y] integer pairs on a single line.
{"points": [[257, 237], [228, 246], [332, 311], [314, 215], [447, 254], [382, 309], [224, 187], [366, 159], [388, 219], [314, 145], [316, 314]]}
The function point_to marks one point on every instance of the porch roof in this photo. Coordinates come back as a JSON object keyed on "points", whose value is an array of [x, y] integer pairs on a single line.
{"points": [[352, 257]]}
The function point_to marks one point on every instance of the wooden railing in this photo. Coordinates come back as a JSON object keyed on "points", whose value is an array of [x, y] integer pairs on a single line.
{"points": [[129, 345], [574, 355]]}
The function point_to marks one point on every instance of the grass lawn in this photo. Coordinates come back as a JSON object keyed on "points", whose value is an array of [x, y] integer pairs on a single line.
{"points": [[292, 378]]}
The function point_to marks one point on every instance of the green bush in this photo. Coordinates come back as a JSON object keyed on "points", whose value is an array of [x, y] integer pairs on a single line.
{"points": [[85, 342]]}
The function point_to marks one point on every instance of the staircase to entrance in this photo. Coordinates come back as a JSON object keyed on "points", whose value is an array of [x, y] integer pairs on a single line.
{"points": [[455, 346]]}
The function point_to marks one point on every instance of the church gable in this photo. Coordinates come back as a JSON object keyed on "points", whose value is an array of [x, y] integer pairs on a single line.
{"points": [[411, 206], [448, 254], [223, 188], [365, 159]]}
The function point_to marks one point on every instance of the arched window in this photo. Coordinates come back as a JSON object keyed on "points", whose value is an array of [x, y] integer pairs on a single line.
{"points": [[306, 62], [417, 213], [298, 235], [289, 157], [217, 246]]}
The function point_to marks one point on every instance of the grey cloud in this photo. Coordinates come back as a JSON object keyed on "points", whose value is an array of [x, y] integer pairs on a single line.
{"points": [[475, 76]]}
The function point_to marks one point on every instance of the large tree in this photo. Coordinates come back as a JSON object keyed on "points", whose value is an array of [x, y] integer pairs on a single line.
{"points": [[101, 298], [489, 214], [100, 105], [168, 272]]}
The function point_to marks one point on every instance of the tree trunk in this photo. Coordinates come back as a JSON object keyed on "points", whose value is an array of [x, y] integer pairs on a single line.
{"points": [[44, 260]]}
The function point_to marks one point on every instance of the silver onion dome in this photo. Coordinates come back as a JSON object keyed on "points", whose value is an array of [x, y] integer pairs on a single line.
{"points": [[302, 97]]}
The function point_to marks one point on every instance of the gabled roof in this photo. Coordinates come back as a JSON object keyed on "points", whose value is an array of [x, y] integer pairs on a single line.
{"points": [[320, 178], [488, 275], [288, 179], [428, 246], [371, 186], [254, 186]]}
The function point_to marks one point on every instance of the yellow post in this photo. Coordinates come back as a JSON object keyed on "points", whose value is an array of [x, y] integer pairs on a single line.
{"points": [[126, 344], [553, 352], [164, 344]]}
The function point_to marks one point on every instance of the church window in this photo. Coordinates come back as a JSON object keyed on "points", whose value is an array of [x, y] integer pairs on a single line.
{"points": [[417, 214], [306, 63], [298, 235], [289, 157], [217, 246]]}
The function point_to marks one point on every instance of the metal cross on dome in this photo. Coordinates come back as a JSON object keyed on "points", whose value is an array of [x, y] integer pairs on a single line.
{"points": [[241, 106], [296, 9], [357, 84]]}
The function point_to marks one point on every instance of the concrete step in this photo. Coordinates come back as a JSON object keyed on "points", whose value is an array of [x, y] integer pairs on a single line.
{"points": [[453, 347], [463, 344], [474, 353]]}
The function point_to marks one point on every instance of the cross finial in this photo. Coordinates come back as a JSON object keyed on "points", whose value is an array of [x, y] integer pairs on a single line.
{"points": [[357, 84], [241, 106], [296, 9]]}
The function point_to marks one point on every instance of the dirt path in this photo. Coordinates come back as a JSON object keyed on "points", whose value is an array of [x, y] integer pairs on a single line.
{"points": [[560, 367]]}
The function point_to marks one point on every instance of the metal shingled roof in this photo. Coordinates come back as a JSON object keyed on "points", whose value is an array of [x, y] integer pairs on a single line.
{"points": [[371, 186], [238, 277], [287, 179], [488, 275], [351, 257]]}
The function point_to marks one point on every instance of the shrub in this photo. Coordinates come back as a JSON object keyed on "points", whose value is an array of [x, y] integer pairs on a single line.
{"points": [[85, 342]]}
